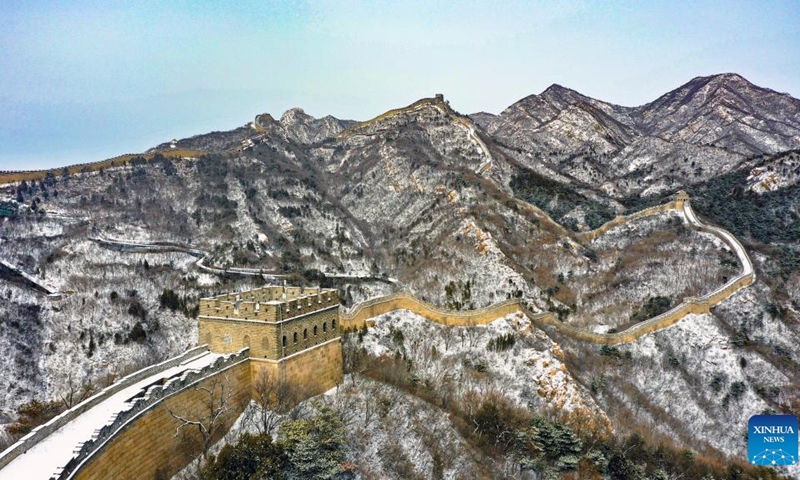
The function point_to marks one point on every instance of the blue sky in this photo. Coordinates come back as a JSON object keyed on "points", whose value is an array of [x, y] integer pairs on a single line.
{"points": [[82, 81]]}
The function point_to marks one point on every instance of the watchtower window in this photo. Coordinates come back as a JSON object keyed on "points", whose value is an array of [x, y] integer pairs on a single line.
{"points": [[315, 330], [305, 333], [333, 324], [284, 341], [324, 327], [294, 337]]}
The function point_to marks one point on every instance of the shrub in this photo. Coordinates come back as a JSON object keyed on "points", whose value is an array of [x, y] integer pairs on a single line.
{"points": [[497, 421], [169, 299], [609, 351], [718, 381], [136, 309], [501, 343], [253, 457], [33, 414], [740, 339], [782, 351], [397, 336], [138, 333], [737, 390], [653, 307]]}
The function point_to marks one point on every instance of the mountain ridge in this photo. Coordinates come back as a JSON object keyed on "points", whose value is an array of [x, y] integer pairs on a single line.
{"points": [[461, 218]]}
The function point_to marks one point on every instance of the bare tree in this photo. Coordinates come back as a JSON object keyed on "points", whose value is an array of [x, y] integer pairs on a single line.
{"points": [[448, 336], [473, 333], [354, 357], [216, 401], [76, 392], [273, 396]]}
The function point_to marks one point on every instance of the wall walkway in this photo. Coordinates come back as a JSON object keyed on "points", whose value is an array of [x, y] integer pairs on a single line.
{"points": [[126, 431], [84, 435], [358, 316], [202, 256], [28, 280]]}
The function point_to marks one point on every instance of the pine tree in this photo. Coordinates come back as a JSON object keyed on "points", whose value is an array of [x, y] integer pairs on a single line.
{"points": [[315, 446]]}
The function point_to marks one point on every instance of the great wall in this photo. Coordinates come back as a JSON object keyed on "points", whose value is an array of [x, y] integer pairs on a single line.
{"points": [[127, 430], [438, 103], [358, 317], [118, 161], [134, 429], [203, 256]]}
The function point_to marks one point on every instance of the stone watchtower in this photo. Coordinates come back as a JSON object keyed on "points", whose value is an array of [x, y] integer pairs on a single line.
{"points": [[292, 333], [680, 198]]}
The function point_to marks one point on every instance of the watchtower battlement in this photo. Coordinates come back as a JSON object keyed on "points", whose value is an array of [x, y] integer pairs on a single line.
{"points": [[681, 197], [273, 322], [269, 304]]}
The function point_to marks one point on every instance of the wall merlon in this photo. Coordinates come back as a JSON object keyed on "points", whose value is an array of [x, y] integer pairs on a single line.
{"points": [[269, 303]]}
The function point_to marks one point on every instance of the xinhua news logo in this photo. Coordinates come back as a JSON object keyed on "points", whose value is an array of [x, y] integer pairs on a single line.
{"points": [[772, 440]]}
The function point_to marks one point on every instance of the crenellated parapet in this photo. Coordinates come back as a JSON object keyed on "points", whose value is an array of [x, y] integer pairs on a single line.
{"points": [[145, 434], [268, 304], [291, 334], [150, 398], [273, 322], [358, 316]]}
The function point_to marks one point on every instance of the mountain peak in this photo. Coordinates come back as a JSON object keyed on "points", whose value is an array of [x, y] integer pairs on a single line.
{"points": [[727, 79], [561, 97], [295, 113], [556, 88]]}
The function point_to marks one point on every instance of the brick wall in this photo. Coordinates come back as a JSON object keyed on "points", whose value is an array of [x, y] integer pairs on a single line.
{"points": [[265, 339], [593, 234], [39, 433], [148, 447], [357, 318], [309, 372]]}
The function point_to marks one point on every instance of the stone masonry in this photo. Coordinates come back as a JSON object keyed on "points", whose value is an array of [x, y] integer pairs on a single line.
{"points": [[292, 333]]}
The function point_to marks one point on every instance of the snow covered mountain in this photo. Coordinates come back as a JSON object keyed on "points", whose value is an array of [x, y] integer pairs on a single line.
{"points": [[705, 127], [462, 212]]}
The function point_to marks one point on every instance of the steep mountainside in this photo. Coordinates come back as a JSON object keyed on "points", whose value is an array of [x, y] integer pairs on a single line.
{"points": [[725, 111], [462, 212], [704, 128]]}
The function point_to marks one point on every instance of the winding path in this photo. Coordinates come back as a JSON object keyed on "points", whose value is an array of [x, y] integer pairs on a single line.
{"points": [[358, 317], [160, 247], [29, 280]]}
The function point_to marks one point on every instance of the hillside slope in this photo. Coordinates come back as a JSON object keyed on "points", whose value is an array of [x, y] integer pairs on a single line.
{"points": [[460, 211]]}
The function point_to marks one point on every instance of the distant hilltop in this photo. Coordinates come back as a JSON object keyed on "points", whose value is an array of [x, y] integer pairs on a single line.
{"points": [[12, 176]]}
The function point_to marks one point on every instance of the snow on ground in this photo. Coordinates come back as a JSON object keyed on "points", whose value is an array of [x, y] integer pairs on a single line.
{"points": [[638, 260], [686, 377], [393, 434], [244, 225], [57, 449], [458, 358]]}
